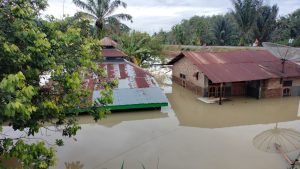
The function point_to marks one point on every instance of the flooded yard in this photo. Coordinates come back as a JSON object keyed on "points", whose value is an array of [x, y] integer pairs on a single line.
{"points": [[187, 134]]}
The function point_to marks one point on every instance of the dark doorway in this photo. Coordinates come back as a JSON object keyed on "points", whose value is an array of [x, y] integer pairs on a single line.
{"points": [[253, 88]]}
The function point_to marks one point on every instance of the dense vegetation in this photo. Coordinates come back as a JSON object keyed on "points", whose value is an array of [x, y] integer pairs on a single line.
{"points": [[68, 49], [141, 48], [31, 47], [250, 20], [102, 13]]}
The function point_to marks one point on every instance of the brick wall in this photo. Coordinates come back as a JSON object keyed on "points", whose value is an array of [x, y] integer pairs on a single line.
{"points": [[185, 66], [269, 93], [272, 84], [272, 88], [189, 85]]}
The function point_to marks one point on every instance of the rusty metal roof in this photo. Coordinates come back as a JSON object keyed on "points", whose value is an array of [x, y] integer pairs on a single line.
{"points": [[108, 42], [243, 65], [136, 86], [113, 52]]}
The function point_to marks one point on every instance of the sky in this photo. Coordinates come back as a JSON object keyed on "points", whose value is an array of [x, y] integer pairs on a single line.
{"points": [[152, 15]]}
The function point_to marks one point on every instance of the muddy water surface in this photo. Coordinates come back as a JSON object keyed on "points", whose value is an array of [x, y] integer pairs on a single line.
{"points": [[188, 134]]}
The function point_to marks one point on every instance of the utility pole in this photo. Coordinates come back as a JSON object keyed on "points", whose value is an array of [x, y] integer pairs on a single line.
{"points": [[63, 9]]}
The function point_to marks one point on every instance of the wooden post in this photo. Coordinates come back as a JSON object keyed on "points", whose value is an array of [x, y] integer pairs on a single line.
{"points": [[259, 89], [221, 92]]}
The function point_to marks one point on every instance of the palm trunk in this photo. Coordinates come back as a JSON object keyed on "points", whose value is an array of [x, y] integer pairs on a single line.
{"points": [[100, 29]]}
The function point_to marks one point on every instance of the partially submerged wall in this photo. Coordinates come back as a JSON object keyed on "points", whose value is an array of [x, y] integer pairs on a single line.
{"points": [[186, 74], [271, 88], [281, 87]]}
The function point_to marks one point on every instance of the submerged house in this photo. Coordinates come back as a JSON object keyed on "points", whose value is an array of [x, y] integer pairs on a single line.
{"points": [[136, 87], [255, 73]]}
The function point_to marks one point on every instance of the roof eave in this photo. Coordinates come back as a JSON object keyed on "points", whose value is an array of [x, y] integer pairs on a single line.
{"points": [[176, 59]]}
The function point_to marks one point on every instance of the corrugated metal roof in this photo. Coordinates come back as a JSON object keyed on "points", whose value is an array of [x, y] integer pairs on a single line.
{"points": [[106, 41], [112, 53], [135, 96], [129, 75], [136, 86], [235, 66]]}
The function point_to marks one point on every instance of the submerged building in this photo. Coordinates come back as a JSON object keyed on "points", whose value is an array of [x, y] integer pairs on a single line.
{"points": [[255, 73], [136, 87]]}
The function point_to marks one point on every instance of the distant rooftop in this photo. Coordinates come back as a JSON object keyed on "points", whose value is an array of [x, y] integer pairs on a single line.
{"points": [[113, 53], [239, 65], [108, 42]]}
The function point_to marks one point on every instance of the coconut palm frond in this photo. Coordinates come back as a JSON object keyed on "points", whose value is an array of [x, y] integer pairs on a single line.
{"points": [[92, 4], [85, 16], [101, 10], [114, 5], [84, 6], [112, 25], [123, 16]]}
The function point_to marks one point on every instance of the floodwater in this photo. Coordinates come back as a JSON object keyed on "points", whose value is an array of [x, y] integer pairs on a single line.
{"points": [[188, 134]]}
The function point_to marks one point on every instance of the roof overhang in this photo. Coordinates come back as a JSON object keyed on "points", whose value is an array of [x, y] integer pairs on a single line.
{"points": [[239, 66]]}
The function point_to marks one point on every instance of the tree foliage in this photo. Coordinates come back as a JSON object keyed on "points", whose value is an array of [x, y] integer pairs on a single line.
{"points": [[215, 30], [249, 20], [245, 14], [141, 48], [265, 23], [288, 27], [224, 30], [102, 12], [31, 47]]}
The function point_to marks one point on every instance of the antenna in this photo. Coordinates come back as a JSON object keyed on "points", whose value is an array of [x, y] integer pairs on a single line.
{"points": [[284, 53]]}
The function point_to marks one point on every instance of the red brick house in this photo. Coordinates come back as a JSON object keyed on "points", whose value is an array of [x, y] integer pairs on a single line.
{"points": [[255, 73]]}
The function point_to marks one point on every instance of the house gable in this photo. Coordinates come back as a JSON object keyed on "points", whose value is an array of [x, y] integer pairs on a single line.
{"points": [[191, 72]]}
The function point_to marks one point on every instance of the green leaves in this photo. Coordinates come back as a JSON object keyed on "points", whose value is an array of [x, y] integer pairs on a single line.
{"points": [[103, 15], [32, 48], [10, 48], [35, 155], [16, 96], [141, 47]]}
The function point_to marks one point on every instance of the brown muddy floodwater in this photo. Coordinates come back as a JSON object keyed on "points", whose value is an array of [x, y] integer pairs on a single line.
{"points": [[188, 134]]}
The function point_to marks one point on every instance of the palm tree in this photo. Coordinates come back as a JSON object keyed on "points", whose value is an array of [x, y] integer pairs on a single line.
{"points": [[140, 47], [102, 11], [134, 45], [245, 12], [265, 23], [223, 30]]}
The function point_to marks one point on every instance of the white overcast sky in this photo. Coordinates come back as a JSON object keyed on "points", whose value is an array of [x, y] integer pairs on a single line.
{"points": [[153, 15]]}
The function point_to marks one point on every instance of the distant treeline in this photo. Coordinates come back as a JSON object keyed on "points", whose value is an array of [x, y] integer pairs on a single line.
{"points": [[248, 22]]}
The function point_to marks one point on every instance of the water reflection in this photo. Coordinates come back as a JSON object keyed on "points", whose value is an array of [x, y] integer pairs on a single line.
{"points": [[10, 163], [116, 118], [237, 112], [181, 135], [73, 165]]}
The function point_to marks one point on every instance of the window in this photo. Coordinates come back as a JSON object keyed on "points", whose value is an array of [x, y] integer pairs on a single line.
{"points": [[196, 75], [182, 76], [287, 83], [286, 92]]}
